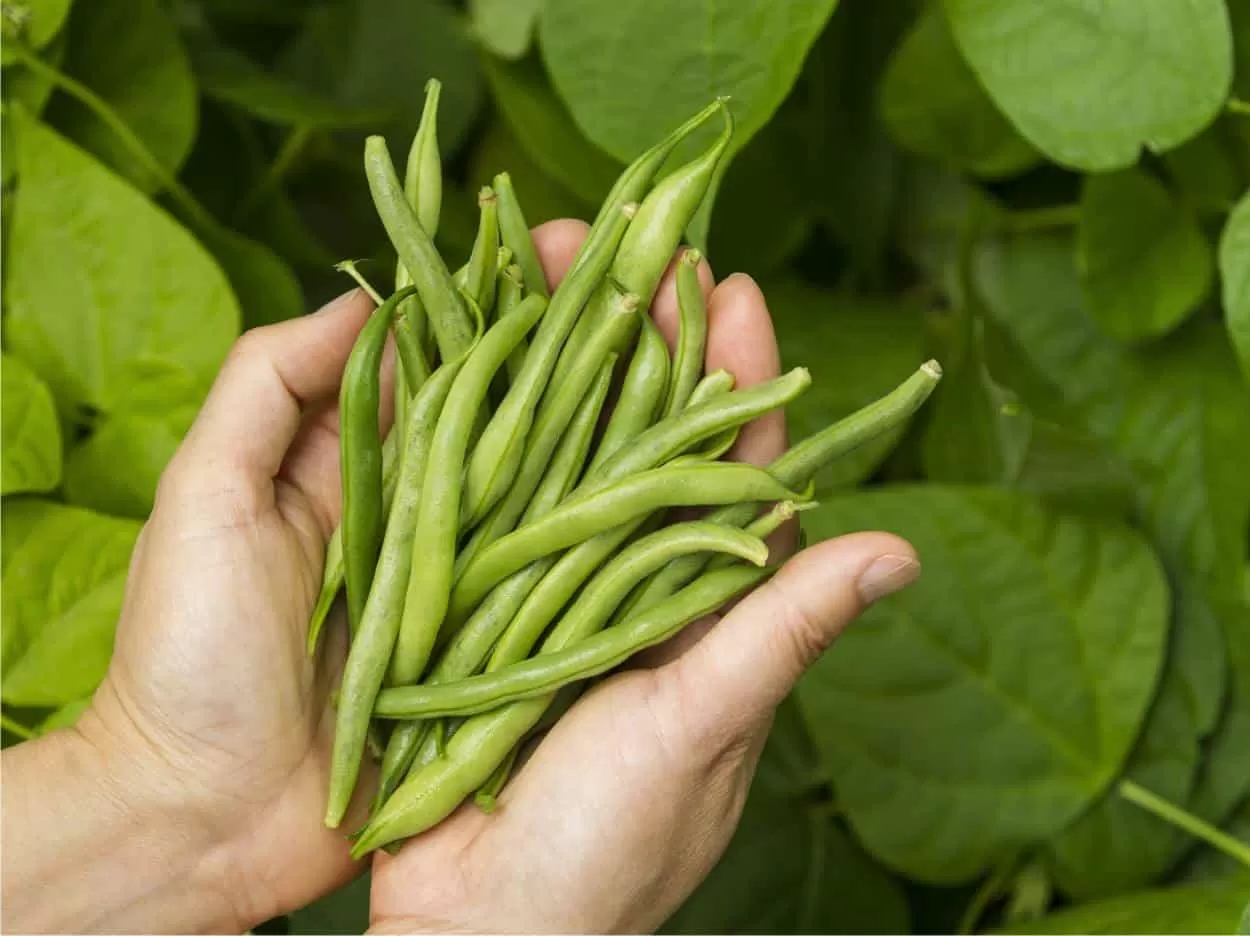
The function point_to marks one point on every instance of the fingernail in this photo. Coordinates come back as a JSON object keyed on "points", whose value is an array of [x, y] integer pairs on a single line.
{"points": [[885, 575], [336, 304]]}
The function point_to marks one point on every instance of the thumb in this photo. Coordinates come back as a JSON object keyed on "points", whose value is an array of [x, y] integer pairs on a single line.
{"points": [[749, 661]]}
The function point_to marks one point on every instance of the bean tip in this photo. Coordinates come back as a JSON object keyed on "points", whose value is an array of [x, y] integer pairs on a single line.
{"points": [[692, 256], [932, 368], [629, 209], [485, 195]]}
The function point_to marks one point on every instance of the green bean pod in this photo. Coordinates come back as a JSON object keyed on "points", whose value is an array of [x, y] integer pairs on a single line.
{"points": [[584, 516], [612, 584], [332, 569], [508, 293], [429, 584], [711, 386], [671, 436], [497, 458], [611, 334], [414, 370], [360, 456], [691, 333], [487, 794], [479, 274], [642, 393], [371, 650], [515, 234], [448, 316], [484, 741], [471, 644], [801, 463]]}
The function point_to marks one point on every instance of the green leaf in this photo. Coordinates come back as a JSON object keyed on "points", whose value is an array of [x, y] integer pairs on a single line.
{"points": [[542, 196], [63, 590], [932, 104], [231, 77], [545, 129], [1090, 84], [31, 90], [128, 52], [858, 348], [951, 743], [1117, 846], [30, 449], [1210, 864], [116, 469], [1235, 277], [504, 27], [1197, 908], [1144, 262], [628, 82], [345, 910], [40, 22], [1209, 170], [97, 315]]}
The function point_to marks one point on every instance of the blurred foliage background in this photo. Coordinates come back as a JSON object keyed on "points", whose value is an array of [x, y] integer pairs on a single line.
{"points": [[1050, 198]]}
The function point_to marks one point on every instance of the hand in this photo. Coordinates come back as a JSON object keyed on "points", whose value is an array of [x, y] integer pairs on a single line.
{"points": [[207, 745], [632, 797]]}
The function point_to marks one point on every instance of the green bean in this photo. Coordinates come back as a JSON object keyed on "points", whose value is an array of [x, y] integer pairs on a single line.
{"points": [[497, 458], [710, 387], [647, 247], [802, 462], [584, 516], [509, 293], [515, 234], [448, 315], [641, 395], [360, 447], [413, 367], [675, 434], [370, 652], [470, 645], [561, 663], [429, 583], [558, 406], [474, 752], [691, 333], [479, 276], [486, 798], [332, 569], [604, 592]]}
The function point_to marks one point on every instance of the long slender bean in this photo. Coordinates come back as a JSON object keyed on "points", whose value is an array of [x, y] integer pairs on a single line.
{"points": [[480, 744], [429, 583], [479, 275], [515, 234], [508, 293], [584, 516], [360, 446], [370, 652], [641, 396], [691, 333], [710, 386]]}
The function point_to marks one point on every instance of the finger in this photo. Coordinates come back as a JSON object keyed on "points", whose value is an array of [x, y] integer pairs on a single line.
{"points": [[734, 677], [254, 410], [557, 243]]}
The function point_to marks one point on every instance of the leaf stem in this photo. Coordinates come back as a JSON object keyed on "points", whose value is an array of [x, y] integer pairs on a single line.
{"points": [[292, 148], [1171, 813], [1042, 219], [1237, 106], [16, 727], [990, 888], [195, 212]]}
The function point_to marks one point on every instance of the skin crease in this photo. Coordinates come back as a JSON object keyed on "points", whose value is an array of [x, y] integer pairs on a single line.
{"points": [[190, 794]]}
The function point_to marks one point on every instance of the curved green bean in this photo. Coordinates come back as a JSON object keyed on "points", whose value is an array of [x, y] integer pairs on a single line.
{"points": [[641, 396], [508, 293], [515, 234], [360, 455], [479, 274], [448, 316], [584, 516], [583, 658], [711, 386], [371, 650], [691, 333], [429, 582]]}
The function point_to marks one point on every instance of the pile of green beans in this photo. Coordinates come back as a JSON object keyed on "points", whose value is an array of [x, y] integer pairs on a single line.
{"points": [[507, 538]]}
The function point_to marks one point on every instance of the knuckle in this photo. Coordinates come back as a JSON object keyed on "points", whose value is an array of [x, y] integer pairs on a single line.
{"points": [[802, 635]]}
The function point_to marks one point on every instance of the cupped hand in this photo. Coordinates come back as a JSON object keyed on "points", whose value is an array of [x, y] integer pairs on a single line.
{"points": [[630, 799]]}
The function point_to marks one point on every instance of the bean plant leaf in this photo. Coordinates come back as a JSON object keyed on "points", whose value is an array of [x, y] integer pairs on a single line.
{"points": [[932, 103], [505, 27], [1144, 262], [30, 446], [63, 590], [1209, 863], [545, 129], [627, 82], [128, 52], [947, 752], [1196, 908], [1092, 83], [97, 317], [37, 24], [858, 348], [542, 196], [1235, 277], [142, 443], [1209, 170]]}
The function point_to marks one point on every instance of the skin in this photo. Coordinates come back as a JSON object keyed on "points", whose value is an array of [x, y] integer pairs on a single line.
{"points": [[189, 796]]}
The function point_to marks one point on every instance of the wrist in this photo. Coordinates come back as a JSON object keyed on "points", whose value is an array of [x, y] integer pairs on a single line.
{"points": [[106, 843]]}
